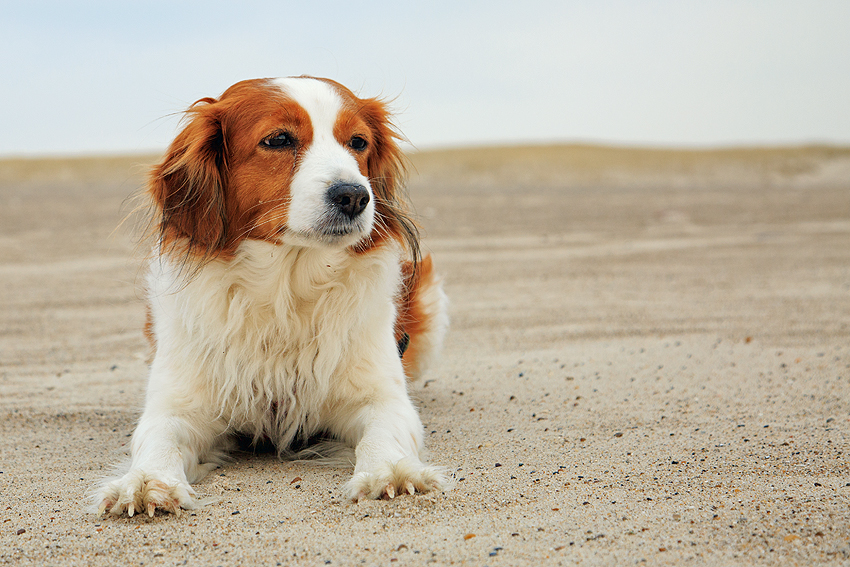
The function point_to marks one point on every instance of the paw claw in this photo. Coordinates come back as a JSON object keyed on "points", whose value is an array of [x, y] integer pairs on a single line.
{"points": [[138, 492], [405, 476]]}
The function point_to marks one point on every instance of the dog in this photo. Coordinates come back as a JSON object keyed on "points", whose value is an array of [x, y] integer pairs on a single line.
{"points": [[286, 295]]}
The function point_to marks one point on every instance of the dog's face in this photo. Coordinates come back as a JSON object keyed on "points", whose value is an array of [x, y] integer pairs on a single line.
{"points": [[300, 161]]}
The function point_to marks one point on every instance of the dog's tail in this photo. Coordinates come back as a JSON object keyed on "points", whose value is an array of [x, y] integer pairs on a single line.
{"points": [[423, 317]]}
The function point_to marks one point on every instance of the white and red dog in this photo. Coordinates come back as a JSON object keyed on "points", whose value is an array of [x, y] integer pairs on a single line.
{"points": [[286, 294]]}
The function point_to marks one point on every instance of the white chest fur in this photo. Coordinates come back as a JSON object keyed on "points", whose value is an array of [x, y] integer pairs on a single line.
{"points": [[277, 337]]}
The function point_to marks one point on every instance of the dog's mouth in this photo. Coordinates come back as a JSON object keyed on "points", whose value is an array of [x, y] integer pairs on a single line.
{"points": [[334, 226], [334, 233], [337, 231], [332, 230]]}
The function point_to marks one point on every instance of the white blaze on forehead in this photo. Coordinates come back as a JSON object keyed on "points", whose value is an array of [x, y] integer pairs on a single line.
{"points": [[318, 98], [323, 162]]}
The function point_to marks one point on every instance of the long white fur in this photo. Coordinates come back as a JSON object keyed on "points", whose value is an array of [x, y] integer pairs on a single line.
{"points": [[283, 341]]}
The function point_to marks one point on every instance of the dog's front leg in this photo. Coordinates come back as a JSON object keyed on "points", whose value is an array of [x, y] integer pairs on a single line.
{"points": [[388, 452], [174, 433]]}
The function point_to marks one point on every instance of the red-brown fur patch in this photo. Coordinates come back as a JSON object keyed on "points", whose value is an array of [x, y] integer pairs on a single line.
{"points": [[412, 317], [216, 187], [149, 334]]}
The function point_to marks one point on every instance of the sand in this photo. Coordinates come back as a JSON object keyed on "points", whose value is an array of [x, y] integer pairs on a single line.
{"points": [[648, 362]]}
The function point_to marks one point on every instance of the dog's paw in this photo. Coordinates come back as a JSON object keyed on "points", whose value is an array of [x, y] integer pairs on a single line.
{"points": [[407, 476], [139, 492]]}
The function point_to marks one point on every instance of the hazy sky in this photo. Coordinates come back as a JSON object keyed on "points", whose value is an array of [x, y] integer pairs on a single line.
{"points": [[111, 76]]}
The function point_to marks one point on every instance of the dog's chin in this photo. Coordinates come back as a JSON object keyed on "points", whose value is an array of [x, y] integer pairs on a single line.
{"points": [[327, 236]]}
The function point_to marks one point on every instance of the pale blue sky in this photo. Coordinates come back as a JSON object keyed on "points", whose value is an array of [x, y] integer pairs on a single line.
{"points": [[110, 76]]}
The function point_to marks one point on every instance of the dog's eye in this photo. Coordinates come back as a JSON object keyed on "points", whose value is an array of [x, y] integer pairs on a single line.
{"points": [[358, 143], [279, 140]]}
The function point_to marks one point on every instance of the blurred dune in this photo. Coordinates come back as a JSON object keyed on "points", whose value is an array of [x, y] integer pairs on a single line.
{"points": [[529, 165], [582, 165]]}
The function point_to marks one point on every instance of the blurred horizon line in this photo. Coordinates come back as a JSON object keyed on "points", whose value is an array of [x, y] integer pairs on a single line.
{"points": [[411, 149]]}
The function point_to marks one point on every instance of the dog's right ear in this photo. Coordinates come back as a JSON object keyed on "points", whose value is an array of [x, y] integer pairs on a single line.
{"points": [[188, 187]]}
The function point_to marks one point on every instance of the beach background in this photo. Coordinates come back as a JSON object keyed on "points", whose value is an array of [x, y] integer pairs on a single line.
{"points": [[648, 362], [642, 215]]}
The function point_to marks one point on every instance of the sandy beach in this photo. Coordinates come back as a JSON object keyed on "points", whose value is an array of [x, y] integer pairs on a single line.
{"points": [[648, 363]]}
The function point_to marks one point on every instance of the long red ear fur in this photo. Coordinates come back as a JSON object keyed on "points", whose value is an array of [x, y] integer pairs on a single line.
{"points": [[387, 171], [188, 186]]}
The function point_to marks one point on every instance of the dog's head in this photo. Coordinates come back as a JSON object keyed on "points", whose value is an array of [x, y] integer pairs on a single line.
{"points": [[299, 161]]}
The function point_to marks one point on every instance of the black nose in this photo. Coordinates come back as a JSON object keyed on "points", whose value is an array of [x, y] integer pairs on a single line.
{"points": [[348, 198]]}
